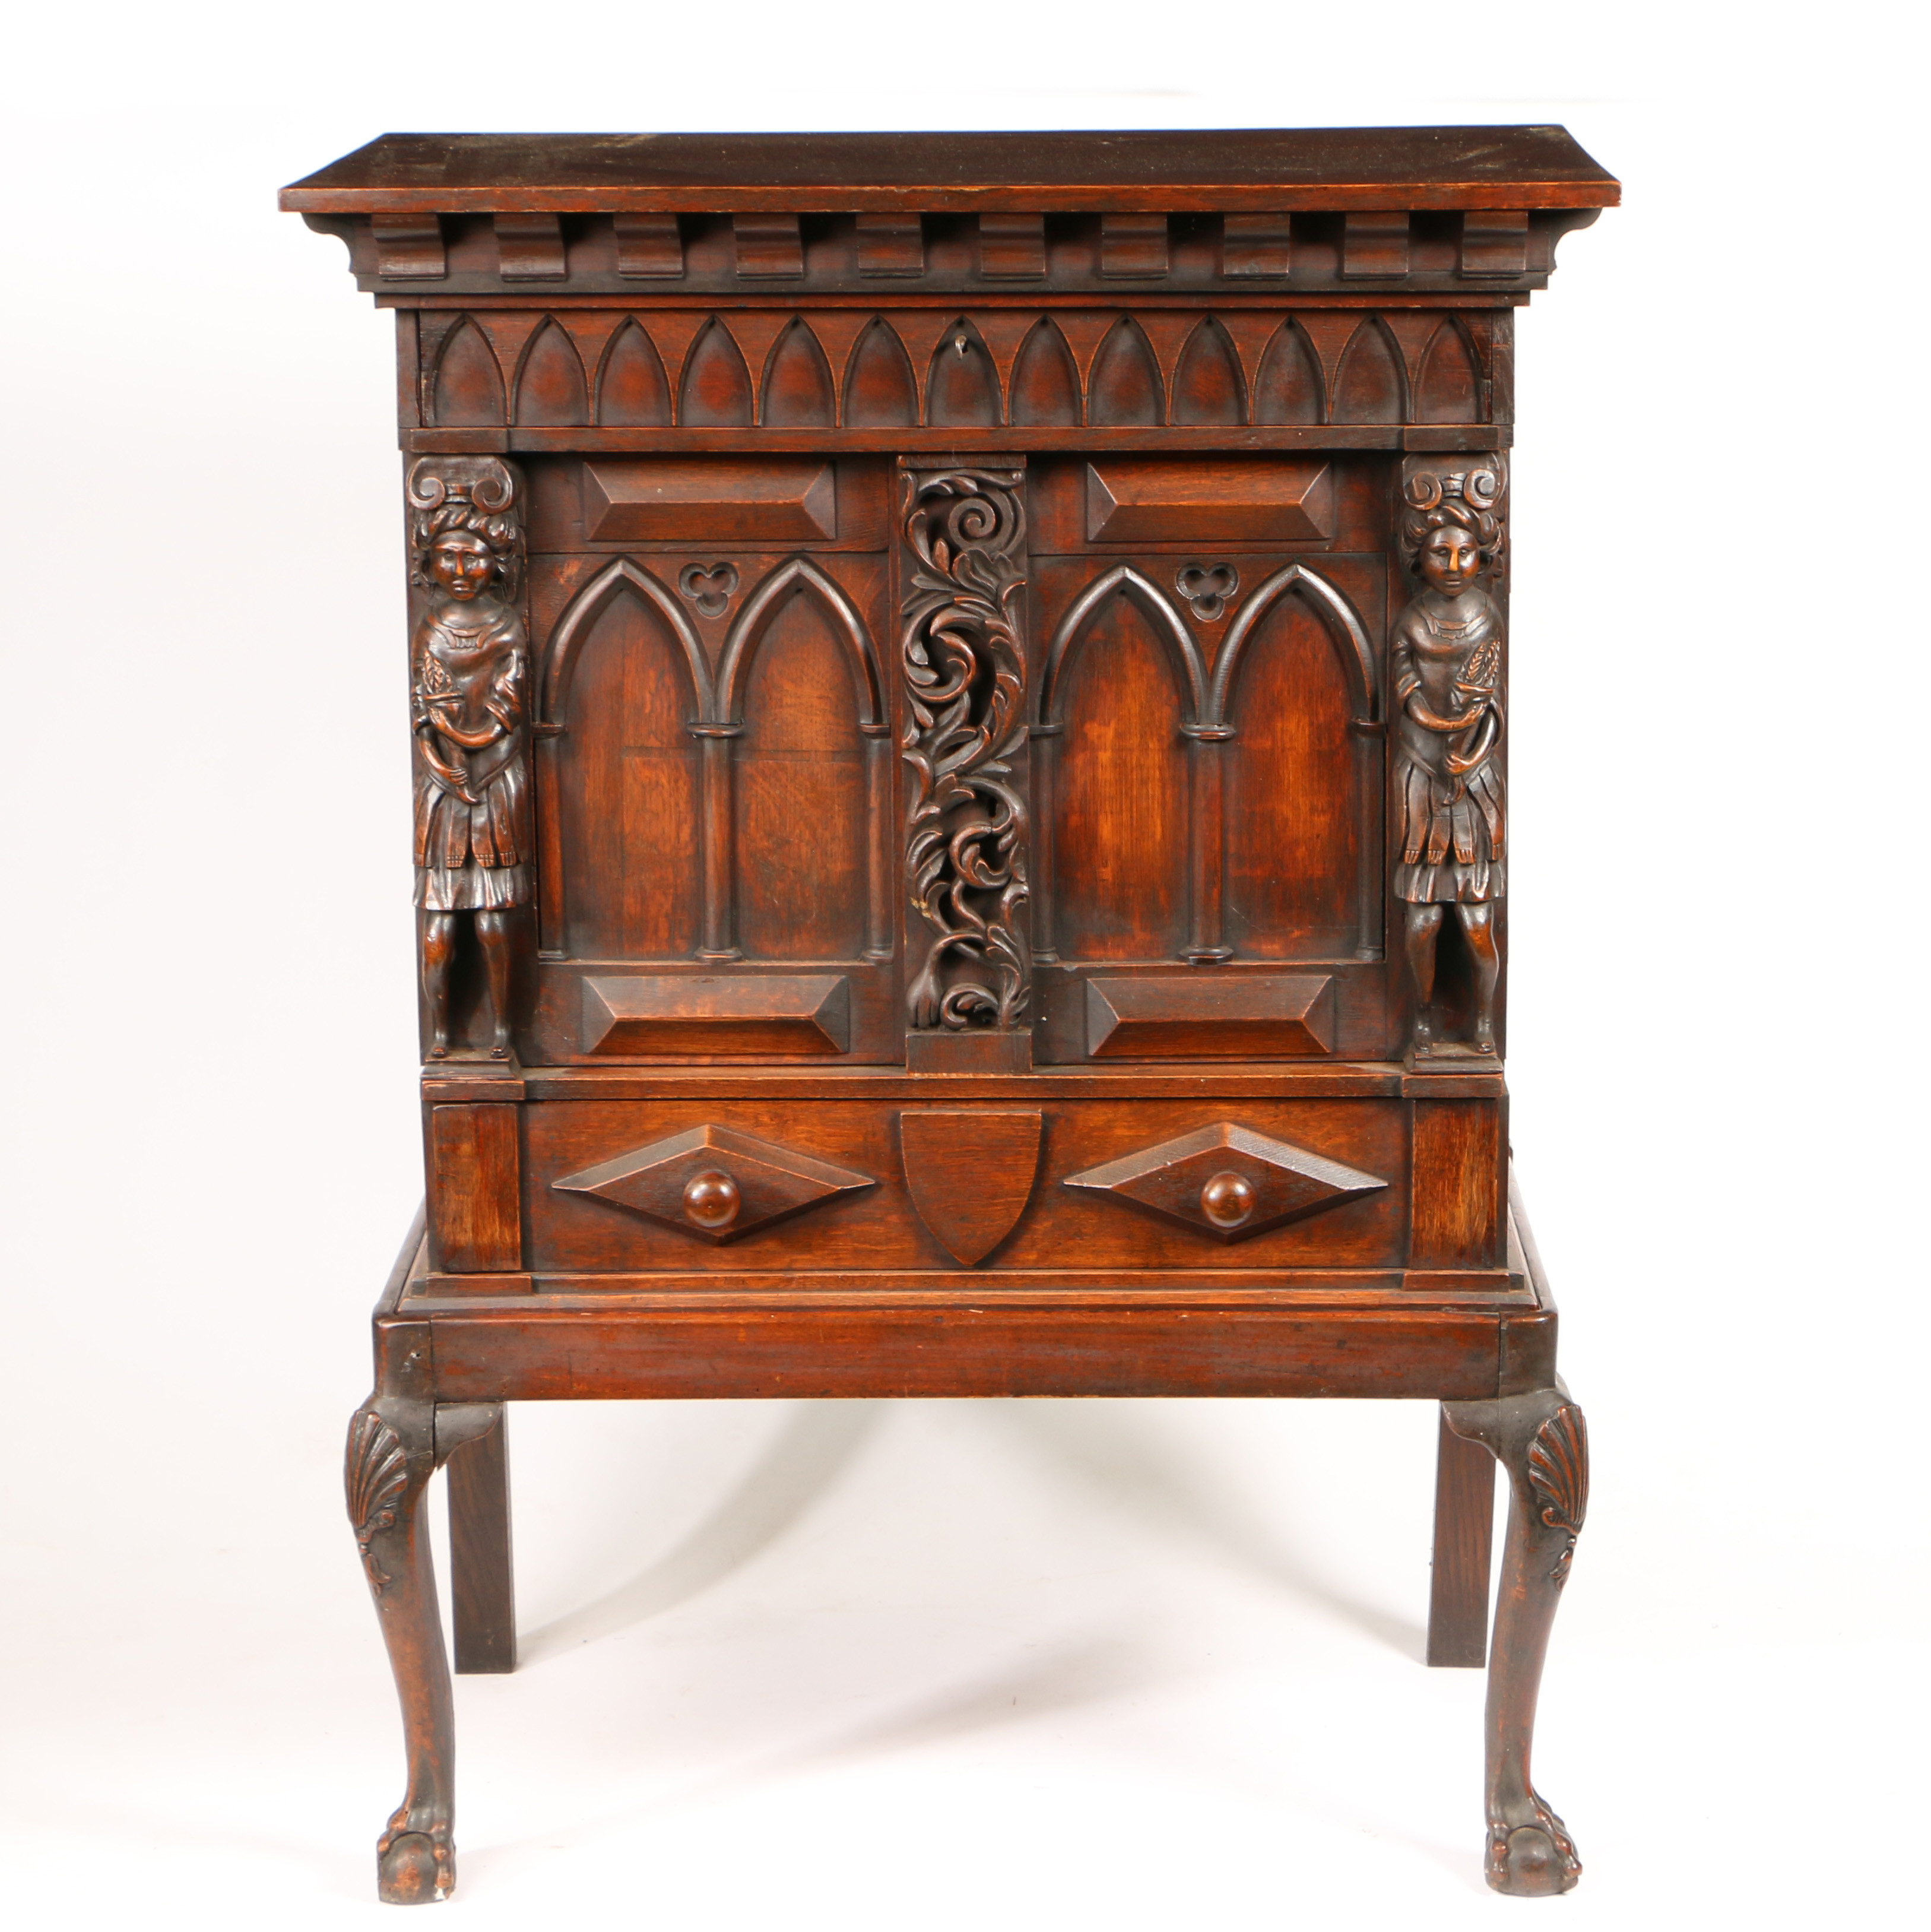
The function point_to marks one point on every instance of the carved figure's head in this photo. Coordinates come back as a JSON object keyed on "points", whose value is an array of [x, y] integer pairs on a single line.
{"points": [[465, 537], [1450, 533], [461, 564]]}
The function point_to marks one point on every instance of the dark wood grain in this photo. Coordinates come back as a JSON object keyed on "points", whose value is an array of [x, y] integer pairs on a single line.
{"points": [[961, 809], [1464, 1526], [482, 1590], [1273, 167]]}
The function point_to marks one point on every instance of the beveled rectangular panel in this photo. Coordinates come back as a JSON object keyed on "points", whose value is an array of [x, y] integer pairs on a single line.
{"points": [[690, 1013], [711, 500], [1154, 499], [1206, 1015], [475, 1211]]}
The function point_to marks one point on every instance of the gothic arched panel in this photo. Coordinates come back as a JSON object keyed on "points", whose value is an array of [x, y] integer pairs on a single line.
{"points": [[627, 780], [1287, 389], [881, 391], [799, 794], [469, 387], [1207, 387], [632, 392], [962, 391], [1449, 391], [1120, 795], [715, 392], [1368, 385], [797, 392], [1125, 388], [551, 389], [1290, 877], [1046, 382]]}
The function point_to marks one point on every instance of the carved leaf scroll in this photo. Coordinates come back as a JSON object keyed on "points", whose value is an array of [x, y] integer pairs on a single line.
{"points": [[962, 654], [377, 1472], [1558, 1464]]}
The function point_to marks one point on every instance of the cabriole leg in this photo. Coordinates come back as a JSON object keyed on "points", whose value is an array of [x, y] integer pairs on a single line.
{"points": [[1540, 1441], [391, 1455]]}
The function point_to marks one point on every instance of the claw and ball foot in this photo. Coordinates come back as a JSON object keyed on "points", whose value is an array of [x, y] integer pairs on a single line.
{"points": [[392, 1455], [1540, 1441]]}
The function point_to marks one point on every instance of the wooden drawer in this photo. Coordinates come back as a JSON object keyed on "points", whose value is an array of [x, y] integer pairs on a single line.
{"points": [[692, 1186]]}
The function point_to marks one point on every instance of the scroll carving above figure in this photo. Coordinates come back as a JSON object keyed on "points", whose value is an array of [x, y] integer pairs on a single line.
{"points": [[469, 707], [1445, 669], [963, 657]]}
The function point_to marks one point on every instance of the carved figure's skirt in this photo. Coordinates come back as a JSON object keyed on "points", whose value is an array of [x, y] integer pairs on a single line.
{"points": [[471, 888], [1452, 882]]}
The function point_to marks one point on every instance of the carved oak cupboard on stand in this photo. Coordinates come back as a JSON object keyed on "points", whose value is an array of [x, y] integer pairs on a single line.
{"points": [[958, 688]]}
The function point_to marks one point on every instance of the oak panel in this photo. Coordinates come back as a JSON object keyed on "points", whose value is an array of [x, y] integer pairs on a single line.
{"points": [[1120, 810], [476, 1217]]}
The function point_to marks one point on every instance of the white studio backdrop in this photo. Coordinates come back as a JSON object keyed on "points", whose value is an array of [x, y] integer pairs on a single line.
{"points": [[875, 1665]]}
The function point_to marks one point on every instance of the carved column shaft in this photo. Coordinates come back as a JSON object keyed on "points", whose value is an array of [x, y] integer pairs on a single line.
{"points": [[1206, 836], [718, 839]]}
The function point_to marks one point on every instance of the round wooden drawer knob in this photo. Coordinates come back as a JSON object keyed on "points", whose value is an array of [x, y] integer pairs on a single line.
{"points": [[712, 1199], [1228, 1199]]}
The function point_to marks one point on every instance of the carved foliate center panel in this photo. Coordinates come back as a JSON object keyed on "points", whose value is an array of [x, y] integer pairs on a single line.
{"points": [[716, 1182], [1229, 1182]]}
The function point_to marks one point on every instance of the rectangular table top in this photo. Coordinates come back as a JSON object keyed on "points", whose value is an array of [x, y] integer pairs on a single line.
{"points": [[1270, 168]]}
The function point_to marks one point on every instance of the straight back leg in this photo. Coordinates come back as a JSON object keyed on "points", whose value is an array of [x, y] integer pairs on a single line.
{"points": [[1464, 1518], [482, 1582]]}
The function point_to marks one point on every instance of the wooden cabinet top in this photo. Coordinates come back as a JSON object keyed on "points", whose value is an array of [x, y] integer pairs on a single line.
{"points": [[1267, 169]]}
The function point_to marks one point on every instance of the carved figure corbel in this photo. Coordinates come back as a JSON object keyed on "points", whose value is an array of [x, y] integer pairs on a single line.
{"points": [[1446, 674], [469, 709]]}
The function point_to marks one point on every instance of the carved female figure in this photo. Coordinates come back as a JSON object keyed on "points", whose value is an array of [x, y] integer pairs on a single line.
{"points": [[1445, 664], [469, 705]]}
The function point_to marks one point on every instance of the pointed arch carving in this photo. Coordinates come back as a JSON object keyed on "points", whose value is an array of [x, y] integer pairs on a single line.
{"points": [[1124, 580], [796, 392], [1045, 379], [881, 391], [1370, 383], [715, 391], [1344, 626], [1355, 653], [795, 576], [1448, 388], [1208, 387], [1288, 387], [468, 390], [551, 387], [632, 391], [962, 385], [1184, 657], [1125, 388], [579, 620]]}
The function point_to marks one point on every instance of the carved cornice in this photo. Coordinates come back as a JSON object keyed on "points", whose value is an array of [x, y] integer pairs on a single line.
{"points": [[1484, 254]]}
